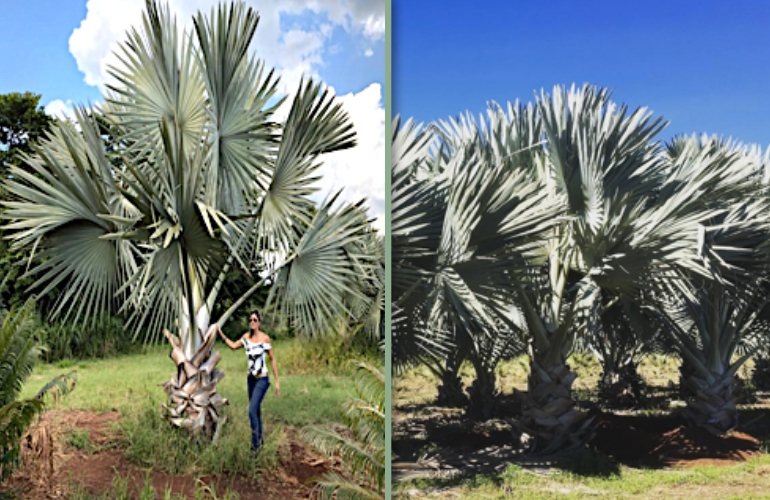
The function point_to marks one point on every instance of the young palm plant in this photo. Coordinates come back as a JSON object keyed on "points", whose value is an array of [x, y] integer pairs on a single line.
{"points": [[203, 181], [18, 352], [362, 448], [626, 334]]}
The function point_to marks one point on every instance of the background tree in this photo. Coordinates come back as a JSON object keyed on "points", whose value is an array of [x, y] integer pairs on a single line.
{"points": [[22, 122]]}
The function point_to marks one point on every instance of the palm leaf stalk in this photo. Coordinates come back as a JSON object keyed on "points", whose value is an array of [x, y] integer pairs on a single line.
{"points": [[205, 181], [709, 332]]}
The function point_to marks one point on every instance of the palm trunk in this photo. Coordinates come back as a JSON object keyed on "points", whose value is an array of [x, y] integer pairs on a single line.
{"points": [[686, 389], [194, 403], [549, 416], [483, 391], [450, 391], [620, 386], [713, 402]]}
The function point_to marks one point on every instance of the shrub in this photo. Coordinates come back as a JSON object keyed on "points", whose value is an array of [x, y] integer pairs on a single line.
{"points": [[18, 352], [103, 338], [361, 446]]}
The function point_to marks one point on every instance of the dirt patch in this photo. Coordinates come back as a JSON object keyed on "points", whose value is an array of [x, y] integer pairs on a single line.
{"points": [[51, 468], [666, 441]]}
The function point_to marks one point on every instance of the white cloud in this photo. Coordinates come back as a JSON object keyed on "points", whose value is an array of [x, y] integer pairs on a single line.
{"points": [[291, 52], [60, 109], [369, 53], [360, 171], [374, 27], [99, 34]]}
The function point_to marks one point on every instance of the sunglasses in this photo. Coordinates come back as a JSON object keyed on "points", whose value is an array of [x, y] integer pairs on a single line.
{"points": [[253, 319]]}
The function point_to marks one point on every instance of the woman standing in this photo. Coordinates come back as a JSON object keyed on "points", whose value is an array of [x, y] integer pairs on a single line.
{"points": [[257, 343]]}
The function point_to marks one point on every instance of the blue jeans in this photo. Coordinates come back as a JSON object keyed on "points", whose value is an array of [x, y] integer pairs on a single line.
{"points": [[257, 389]]}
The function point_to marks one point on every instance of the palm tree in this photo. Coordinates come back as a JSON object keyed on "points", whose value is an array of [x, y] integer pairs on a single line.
{"points": [[467, 217], [716, 325], [633, 222], [18, 352], [205, 181], [362, 447]]}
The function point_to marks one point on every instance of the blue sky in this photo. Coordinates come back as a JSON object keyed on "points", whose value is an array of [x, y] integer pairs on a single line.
{"points": [[61, 48], [34, 51], [703, 65]]}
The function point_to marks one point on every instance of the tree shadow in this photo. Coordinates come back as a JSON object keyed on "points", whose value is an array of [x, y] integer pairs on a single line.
{"points": [[442, 444]]}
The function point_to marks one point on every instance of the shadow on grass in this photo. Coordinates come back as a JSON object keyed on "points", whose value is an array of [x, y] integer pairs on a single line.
{"points": [[442, 444]]}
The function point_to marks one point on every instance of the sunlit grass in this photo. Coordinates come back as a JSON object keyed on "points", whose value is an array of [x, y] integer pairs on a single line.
{"points": [[111, 384], [750, 480], [312, 391]]}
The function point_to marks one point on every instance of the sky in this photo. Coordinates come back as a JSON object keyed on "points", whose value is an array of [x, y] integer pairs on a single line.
{"points": [[703, 65], [61, 49]]}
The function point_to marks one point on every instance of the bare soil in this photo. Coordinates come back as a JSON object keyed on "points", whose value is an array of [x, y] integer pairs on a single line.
{"points": [[666, 441], [51, 468]]}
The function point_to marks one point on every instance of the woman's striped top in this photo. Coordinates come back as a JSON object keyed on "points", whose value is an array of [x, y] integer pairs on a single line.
{"points": [[255, 353]]}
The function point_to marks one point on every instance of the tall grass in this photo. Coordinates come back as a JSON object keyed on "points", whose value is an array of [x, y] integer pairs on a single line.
{"points": [[150, 441]]}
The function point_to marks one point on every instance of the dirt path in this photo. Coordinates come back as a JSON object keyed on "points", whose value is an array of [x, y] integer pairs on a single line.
{"points": [[51, 468]]}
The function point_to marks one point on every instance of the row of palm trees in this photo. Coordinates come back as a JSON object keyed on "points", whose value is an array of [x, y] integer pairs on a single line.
{"points": [[564, 223]]}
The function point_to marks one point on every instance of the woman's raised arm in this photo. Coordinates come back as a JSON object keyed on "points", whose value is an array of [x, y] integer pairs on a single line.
{"points": [[232, 345]]}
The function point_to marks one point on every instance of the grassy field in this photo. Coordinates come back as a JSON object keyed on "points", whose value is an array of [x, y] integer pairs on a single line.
{"points": [[424, 433], [750, 480], [124, 395], [310, 392]]}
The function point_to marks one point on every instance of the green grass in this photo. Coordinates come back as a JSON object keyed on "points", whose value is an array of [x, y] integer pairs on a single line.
{"points": [[749, 480], [79, 439], [111, 384], [130, 384]]}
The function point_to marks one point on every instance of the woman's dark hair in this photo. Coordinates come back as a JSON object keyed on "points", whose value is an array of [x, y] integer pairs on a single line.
{"points": [[256, 313]]}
